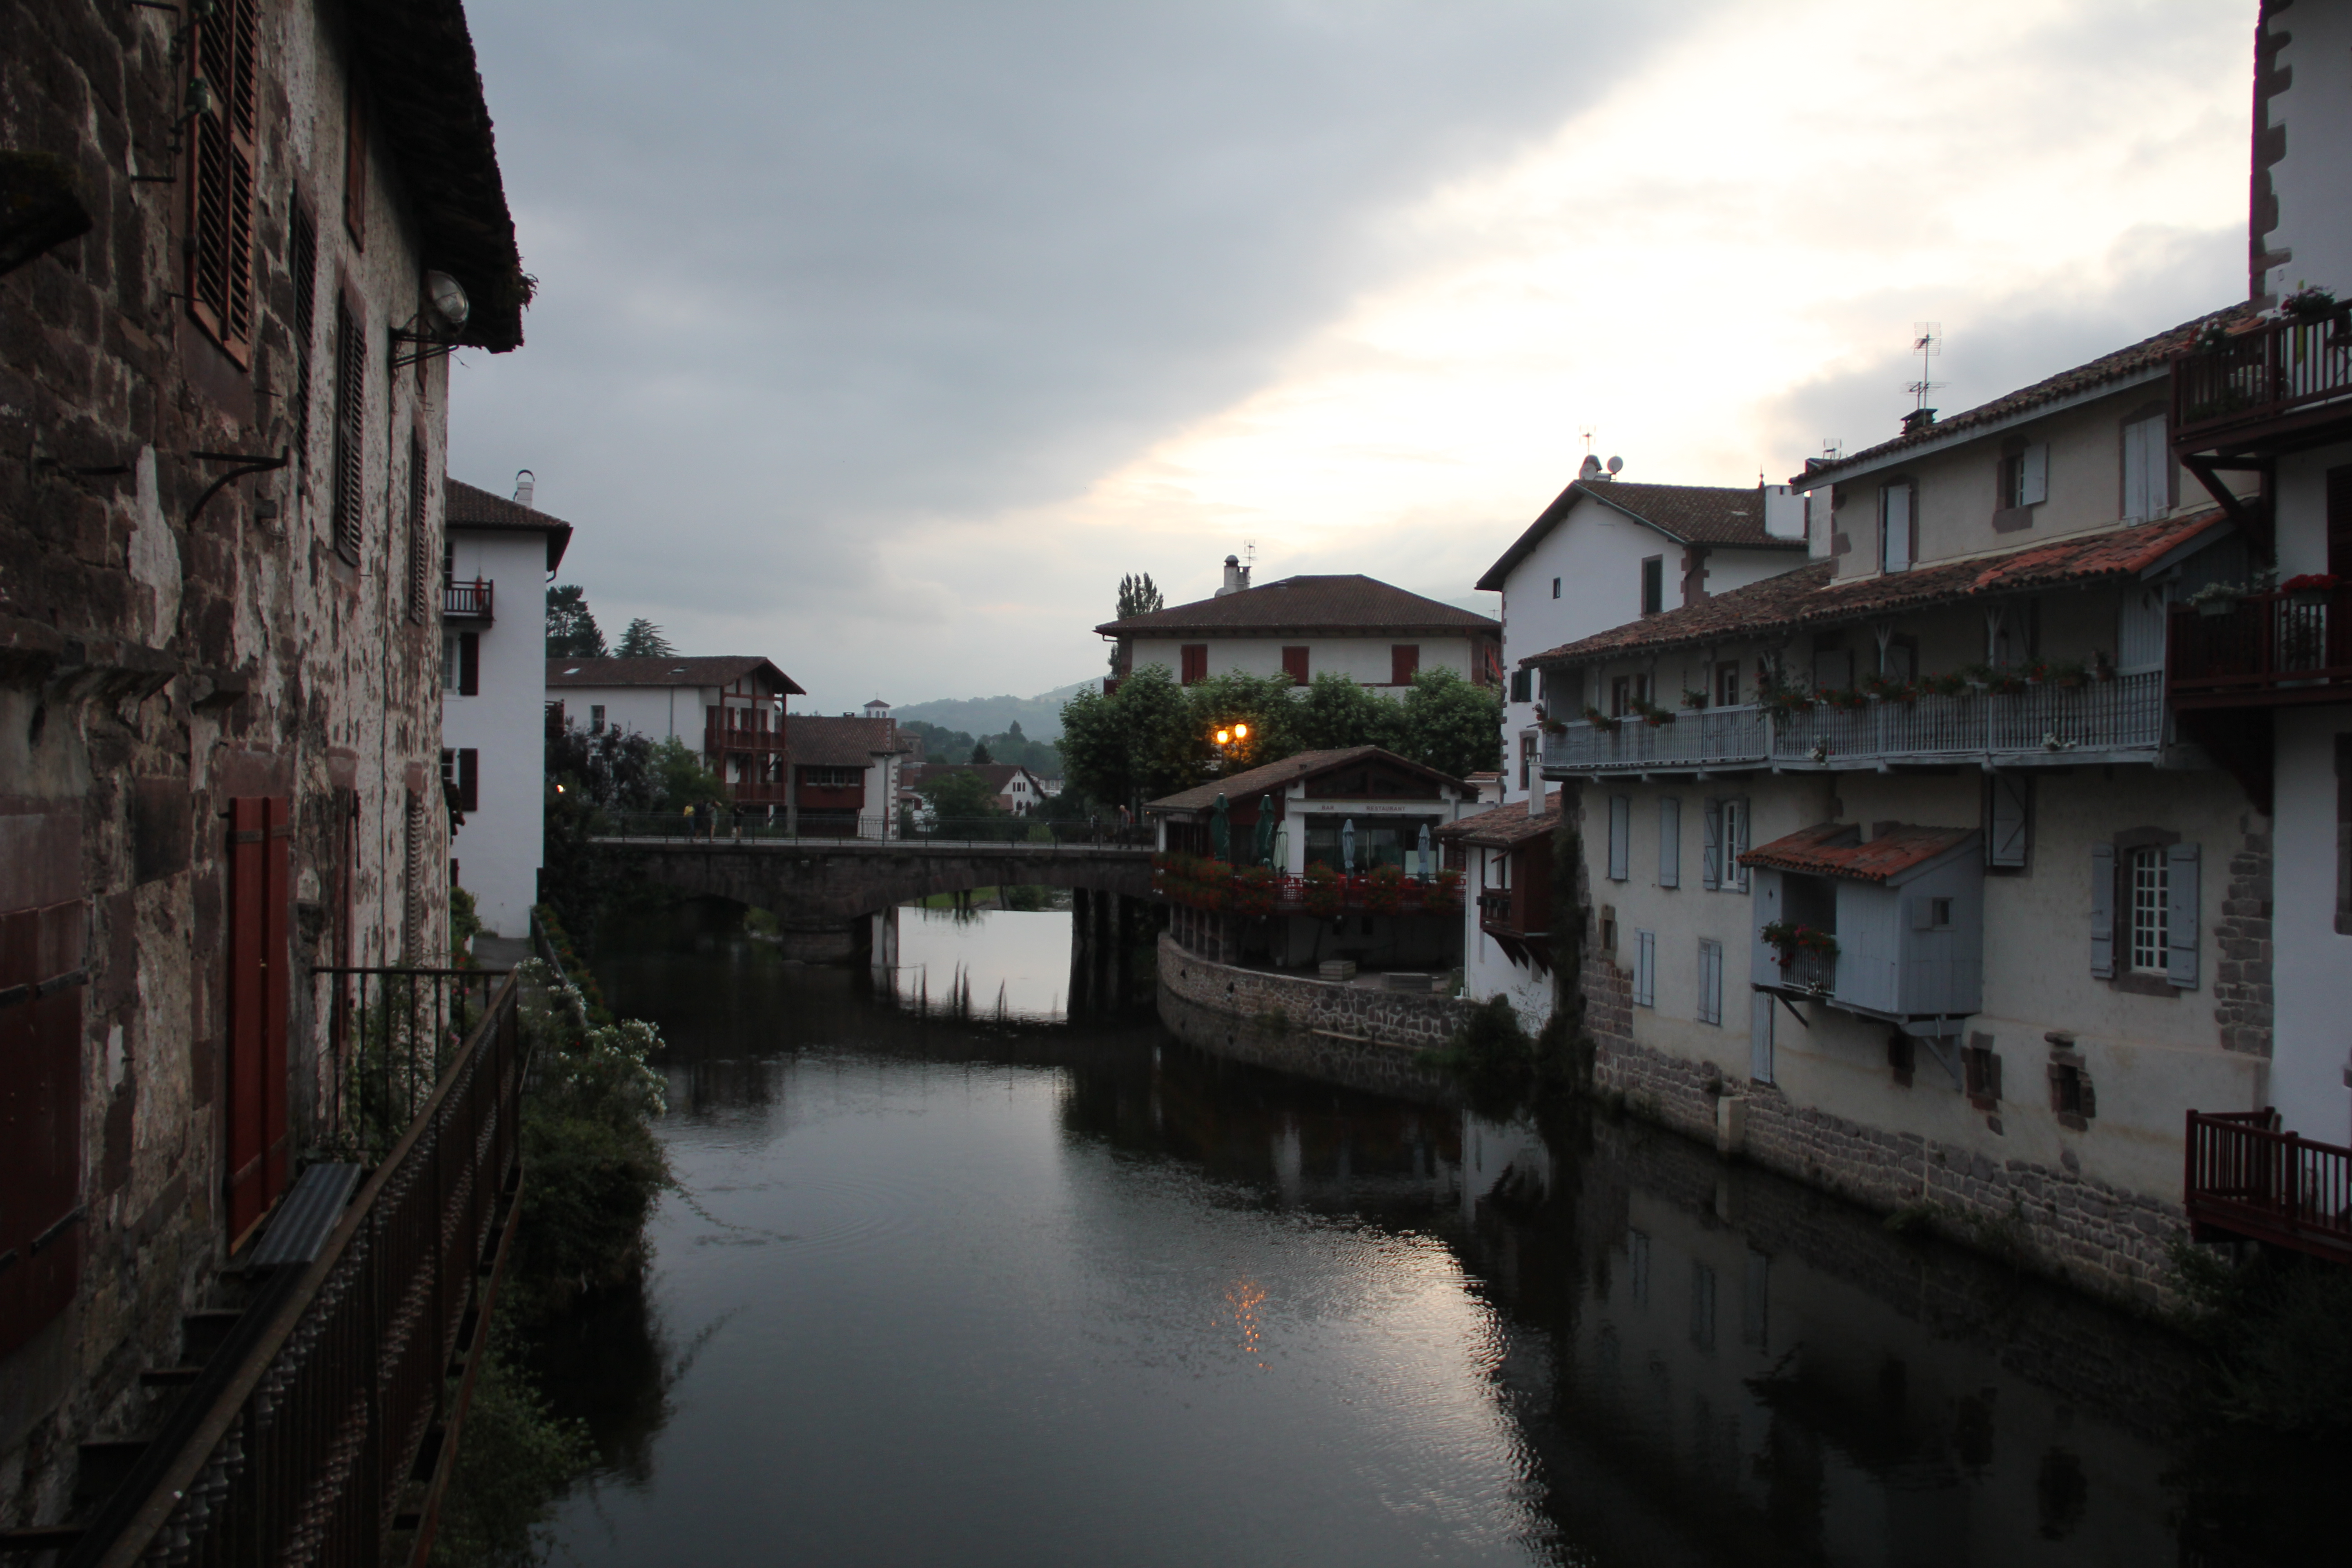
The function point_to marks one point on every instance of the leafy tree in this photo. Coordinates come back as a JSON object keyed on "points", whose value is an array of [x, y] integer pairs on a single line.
{"points": [[959, 794], [940, 744], [571, 630], [1335, 712], [1450, 724], [1261, 703], [644, 640], [1133, 746], [679, 777], [981, 756]]}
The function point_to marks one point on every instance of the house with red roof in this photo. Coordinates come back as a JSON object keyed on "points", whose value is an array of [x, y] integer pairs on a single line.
{"points": [[1904, 874], [729, 708]]}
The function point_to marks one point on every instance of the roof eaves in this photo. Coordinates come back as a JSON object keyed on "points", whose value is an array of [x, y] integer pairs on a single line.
{"points": [[1944, 437]]}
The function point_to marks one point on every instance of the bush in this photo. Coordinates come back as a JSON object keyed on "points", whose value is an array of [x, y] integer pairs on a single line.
{"points": [[465, 924], [2272, 1329], [515, 1458]]}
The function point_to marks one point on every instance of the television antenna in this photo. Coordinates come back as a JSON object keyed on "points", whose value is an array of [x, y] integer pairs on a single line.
{"points": [[1586, 432], [1928, 342], [1249, 555], [1833, 448]]}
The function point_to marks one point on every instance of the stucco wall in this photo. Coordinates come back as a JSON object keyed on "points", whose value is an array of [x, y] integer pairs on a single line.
{"points": [[657, 712], [1365, 661], [499, 849], [2314, 111], [2314, 964]]}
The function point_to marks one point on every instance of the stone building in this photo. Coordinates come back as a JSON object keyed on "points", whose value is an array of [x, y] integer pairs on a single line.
{"points": [[237, 243]]}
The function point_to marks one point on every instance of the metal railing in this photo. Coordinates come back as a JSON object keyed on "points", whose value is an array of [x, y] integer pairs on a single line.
{"points": [[2247, 1178], [2249, 378], [394, 1032], [2038, 719], [2277, 645], [761, 827], [307, 1447], [467, 601], [1814, 973]]}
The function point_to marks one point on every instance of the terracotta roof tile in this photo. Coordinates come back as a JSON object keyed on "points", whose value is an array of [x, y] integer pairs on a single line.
{"points": [[1835, 849], [1811, 595], [1350, 604], [464, 505], [815, 739], [715, 671], [1506, 826], [1690, 514]]}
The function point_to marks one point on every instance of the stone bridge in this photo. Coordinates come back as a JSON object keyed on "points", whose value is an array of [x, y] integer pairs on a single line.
{"points": [[833, 881]]}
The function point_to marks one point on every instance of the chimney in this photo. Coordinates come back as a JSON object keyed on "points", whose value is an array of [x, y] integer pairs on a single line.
{"points": [[1918, 419], [1237, 577], [526, 482]]}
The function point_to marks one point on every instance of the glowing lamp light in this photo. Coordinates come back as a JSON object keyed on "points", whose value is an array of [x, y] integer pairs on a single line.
{"points": [[1241, 732], [1224, 736]]}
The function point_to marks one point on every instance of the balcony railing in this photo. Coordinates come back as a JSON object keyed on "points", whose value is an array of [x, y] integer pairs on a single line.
{"points": [[739, 730], [2283, 371], [2247, 1178], [467, 601], [1812, 973], [323, 1431], [2038, 723], [2268, 649]]}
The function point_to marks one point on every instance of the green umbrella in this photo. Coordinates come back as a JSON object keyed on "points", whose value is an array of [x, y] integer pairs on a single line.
{"points": [[1221, 829], [1262, 845]]}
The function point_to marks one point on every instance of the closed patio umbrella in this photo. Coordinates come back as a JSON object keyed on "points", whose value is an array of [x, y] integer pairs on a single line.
{"points": [[1425, 851], [1348, 846], [1221, 829], [1262, 841]]}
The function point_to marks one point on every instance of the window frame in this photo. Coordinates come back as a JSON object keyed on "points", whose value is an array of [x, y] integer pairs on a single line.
{"points": [[1909, 490], [1404, 662], [1193, 660], [223, 152], [1653, 585]]}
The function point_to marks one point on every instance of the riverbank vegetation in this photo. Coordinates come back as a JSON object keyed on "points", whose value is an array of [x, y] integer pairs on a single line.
{"points": [[2272, 1328]]}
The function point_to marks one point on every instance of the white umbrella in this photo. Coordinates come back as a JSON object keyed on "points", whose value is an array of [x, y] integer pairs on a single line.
{"points": [[1424, 850], [1348, 846]]}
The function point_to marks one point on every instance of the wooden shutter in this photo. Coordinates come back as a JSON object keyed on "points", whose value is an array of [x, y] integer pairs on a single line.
{"points": [[1294, 664], [220, 185], [2009, 798], [1895, 528], [1710, 982], [1621, 833], [41, 1218], [1711, 846], [2102, 912], [1523, 684], [1195, 660], [1645, 969], [1735, 842], [469, 779], [2034, 475], [1404, 662], [1760, 1037], [2180, 916], [302, 265], [350, 432], [259, 977], [469, 664], [355, 161], [420, 559], [1670, 841]]}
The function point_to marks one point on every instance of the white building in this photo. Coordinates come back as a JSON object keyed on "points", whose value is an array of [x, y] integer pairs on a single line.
{"points": [[729, 708], [496, 562], [1375, 635], [2269, 688]]}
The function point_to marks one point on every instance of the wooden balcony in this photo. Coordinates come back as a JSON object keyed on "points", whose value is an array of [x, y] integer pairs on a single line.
{"points": [[2271, 651], [740, 729], [2284, 385], [1518, 919], [2246, 1178], [758, 792], [467, 601]]}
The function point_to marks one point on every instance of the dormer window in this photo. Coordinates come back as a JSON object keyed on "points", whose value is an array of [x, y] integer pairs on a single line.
{"points": [[2021, 483]]}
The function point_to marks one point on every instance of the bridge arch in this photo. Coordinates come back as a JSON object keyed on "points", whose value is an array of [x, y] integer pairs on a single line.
{"points": [[817, 881]]}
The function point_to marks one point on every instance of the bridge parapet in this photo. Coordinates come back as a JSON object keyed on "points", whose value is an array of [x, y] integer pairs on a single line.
{"points": [[829, 879]]}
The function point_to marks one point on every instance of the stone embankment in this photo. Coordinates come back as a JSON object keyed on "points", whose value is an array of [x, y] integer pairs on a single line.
{"points": [[1353, 1035]]}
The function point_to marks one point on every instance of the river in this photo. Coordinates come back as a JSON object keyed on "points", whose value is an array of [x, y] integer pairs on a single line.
{"points": [[953, 1277]]}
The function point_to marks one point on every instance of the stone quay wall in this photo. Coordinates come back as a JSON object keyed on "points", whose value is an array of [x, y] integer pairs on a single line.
{"points": [[1348, 1035]]}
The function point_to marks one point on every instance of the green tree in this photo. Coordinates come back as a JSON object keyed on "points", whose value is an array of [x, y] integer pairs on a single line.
{"points": [[1335, 714], [981, 755], [1451, 724], [959, 794], [1138, 597], [571, 630], [679, 778], [1262, 703], [644, 640], [1133, 746]]}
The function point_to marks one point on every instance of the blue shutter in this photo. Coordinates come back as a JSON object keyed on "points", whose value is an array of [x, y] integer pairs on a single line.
{"points": [[2102, 912], [1711, 855], [1621, 836], [2180, 916], [1734, 845], [1645, 969], [1670, 841], [1760, 1037]]}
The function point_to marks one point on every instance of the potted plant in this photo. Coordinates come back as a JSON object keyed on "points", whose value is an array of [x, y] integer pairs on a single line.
{"points": [[1790, 939], [1785, 701], [1324, 895], [1845, 699], [2215, 600], [1693, 699], [2310, 590], [1384, 889], [1951, 683], [2066, 672], [1597, 719], [2309, 304], [1652, 714]]}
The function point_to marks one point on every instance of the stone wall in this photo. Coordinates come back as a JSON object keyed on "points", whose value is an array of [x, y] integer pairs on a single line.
{"points": [[1348, 1034], [2241, 980]]}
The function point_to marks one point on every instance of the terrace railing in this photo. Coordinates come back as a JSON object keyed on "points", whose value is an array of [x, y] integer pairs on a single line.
{"points": [[467, 601], [1695, 738], [2267, 648], [325, 1436], [2280, 370], [2247, 1178]]}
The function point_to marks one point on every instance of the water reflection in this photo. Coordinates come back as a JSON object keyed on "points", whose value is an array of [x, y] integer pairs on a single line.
{"points": [[1008, 966], [1000, 1291]]}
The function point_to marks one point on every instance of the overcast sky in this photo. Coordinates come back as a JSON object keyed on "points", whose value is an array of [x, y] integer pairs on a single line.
{"points": [[881, 339]]}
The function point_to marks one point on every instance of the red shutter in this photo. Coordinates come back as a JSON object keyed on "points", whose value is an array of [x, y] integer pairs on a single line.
{"points": [[1404, 662], [469, 779], [1294, 664], [469, 664], [41, 981], [260, 982], [1196, 662]]}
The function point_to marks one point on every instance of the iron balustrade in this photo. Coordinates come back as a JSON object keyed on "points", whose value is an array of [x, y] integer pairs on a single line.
{"points": [[2247, 1178], [307, 1447], [393, 1032], [1810, 972], [2277, 647], [2045, 718], [467, 601], [2278, 370]]}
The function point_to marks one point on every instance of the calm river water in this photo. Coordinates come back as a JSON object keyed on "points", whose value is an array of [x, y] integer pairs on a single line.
{"points": [[973, 1282]]}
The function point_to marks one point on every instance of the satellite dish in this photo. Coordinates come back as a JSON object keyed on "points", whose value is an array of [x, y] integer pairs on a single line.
{"points": [[1616, 466], [1591, 469], [447, 299]]}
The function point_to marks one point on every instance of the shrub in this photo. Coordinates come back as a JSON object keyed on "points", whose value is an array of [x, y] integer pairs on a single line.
{"points": [[1324, 896], [1384, 889]]}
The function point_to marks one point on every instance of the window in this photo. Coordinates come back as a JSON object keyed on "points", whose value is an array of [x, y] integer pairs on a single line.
{"points": [[1897, 529], [2008, 820], [1645, 969], [1980, 1072], [2148, 470], [2025, 476], [1625, 691], [1195, 662], [1523, 684], [1294, 664], [2149, 895], [219, 245], [834, 778], [1725, 840], [1653, 585], [2072, 1099], [461, 777], [420, 555], [1555, 587], [1710, 982], [1621, 820], [461, 664], [1670, 841], [2144, 913], [1527, 761], [302, 267], [1898, 658], [1404, 663], [595, 718], [1727, 683], [350, 431]]}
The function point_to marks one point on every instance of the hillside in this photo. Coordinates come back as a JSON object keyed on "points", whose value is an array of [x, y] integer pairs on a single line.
{"points": [[1040, 717]]}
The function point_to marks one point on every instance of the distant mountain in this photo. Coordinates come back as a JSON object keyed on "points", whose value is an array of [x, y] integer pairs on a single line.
{"points": [[1040, 717]]}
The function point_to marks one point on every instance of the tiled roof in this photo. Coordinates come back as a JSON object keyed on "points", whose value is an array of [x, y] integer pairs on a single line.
{"points": [[1000, 775], [1507, 826], [1689, 515], [463, 506], [1274, 778], [2144, 355], [716, 671], [1835, 849], [1349, 605], [1813, 597], [813, 740]]}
